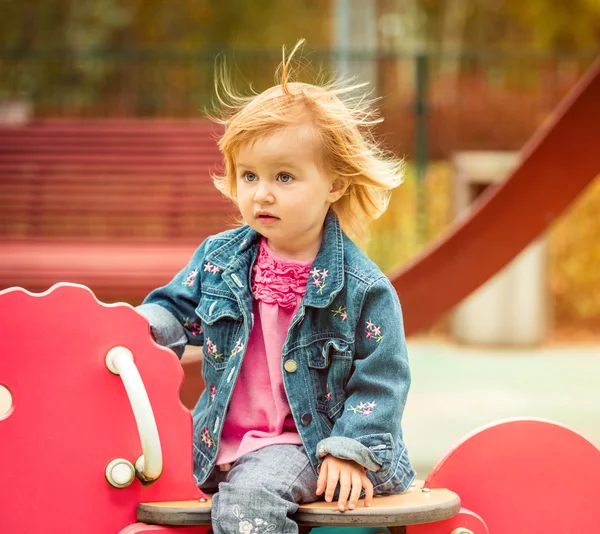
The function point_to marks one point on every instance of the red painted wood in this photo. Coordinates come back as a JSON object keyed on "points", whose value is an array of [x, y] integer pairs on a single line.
{"points": [[138, 191], [118, 166], [71, 416], [556, 165], [67, 181], [125, 270], [524, 477], [465, 519], [123, 207], [141, 528]]}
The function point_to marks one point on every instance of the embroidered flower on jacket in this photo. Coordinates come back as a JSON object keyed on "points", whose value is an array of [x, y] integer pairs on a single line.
{"points": [[213, 392], [373, 332], [194, 328], [191, 278], [341, 311], [211, 348], [238, 347], [363, 408], [209, 267], [318, 278], [207, 438]]}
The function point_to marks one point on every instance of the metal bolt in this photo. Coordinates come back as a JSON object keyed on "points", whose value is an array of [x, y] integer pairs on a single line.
{"points": [[425, 490], [120, 473], [461, 530]]}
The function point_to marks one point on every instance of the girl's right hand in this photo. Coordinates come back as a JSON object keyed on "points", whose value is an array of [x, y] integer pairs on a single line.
{"points": [[351, 477]]}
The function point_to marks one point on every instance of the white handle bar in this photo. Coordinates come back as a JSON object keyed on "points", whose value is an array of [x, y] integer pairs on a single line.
{"points": [[119, 361]]}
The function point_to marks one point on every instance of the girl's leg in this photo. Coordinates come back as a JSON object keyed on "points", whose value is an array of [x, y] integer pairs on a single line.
{"points": [[262, 490]]}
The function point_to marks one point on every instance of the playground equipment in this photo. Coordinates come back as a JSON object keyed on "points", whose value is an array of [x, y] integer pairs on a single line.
{"points": [[95, 440], [554, 167], [78, 456]]}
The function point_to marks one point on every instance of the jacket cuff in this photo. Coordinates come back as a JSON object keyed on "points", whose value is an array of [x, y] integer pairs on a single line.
{"points": [[372, 451], [165, 328]]}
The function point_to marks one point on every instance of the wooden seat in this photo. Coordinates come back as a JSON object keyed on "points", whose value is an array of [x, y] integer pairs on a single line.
{"points": [[410, 508]]}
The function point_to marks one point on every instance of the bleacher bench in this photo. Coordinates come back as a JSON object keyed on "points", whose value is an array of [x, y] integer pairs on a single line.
{"points": [[117, 205]]}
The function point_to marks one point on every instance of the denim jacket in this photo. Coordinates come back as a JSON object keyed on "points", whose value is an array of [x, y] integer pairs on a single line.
{"points": [[344, 362]]}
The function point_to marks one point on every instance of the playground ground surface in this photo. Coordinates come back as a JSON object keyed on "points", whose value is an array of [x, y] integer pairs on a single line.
{"points": [[455, 389]]}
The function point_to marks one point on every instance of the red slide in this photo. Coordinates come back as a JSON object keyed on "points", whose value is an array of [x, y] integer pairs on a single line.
{"points": [[556, 165]]}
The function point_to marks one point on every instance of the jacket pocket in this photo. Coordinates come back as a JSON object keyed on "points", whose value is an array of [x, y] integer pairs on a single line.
{"points": [[222, 324], [330, 365], [210, 309]]}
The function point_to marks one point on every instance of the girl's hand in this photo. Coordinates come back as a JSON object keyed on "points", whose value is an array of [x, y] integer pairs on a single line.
{"points": [[352, 479]]}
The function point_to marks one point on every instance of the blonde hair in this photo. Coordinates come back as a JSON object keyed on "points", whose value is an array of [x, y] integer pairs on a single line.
{"points": [[344, 124]]}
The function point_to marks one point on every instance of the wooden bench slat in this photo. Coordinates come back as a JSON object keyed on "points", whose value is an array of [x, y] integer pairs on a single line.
{"points": [[24, 148], [91, 129], [35, 187], [140, 233], [131, 159], [410, 508], [29, 180], [121, 207], [101, 166]]}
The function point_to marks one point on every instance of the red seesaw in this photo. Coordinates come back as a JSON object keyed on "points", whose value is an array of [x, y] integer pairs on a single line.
{"points": [[95, 439]]}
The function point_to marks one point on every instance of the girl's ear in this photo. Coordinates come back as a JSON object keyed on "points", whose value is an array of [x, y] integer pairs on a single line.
{"points": [[338, 188]]}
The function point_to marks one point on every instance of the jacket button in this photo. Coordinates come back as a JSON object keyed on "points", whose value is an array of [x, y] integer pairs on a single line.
{"points": [[290, 366], [306, 419]]}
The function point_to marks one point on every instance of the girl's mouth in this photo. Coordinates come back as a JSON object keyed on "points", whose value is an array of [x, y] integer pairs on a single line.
{"points": [[267, 218]]}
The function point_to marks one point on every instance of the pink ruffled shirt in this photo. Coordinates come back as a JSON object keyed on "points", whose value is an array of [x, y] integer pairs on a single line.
{"points": [[259, 413]]}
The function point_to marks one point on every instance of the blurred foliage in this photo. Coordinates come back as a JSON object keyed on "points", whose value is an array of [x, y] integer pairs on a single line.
{"points": [[546, 25], [72, 31], [83, 52], [186, 24], [575, 260], [394, 236], [573, 241]]}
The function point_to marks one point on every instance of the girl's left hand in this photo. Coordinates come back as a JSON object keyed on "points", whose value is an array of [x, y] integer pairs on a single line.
{"points": [[352, 478]]}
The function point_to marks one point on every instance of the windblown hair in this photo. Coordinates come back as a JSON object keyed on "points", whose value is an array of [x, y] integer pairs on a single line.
{"points": [[343, 123]]}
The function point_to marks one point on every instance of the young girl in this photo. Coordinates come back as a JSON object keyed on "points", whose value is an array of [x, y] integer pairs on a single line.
{"points": [[304, 356]]}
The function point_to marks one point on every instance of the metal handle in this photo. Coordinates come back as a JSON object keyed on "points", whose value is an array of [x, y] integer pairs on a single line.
{"points": [[148, 467]]}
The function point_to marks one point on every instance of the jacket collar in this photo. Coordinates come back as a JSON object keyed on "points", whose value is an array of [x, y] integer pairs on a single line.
{"points": [[327, 274], [326, 277]]}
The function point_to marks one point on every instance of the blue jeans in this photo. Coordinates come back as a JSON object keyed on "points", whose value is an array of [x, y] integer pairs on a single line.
{"points": [[261, 490]]}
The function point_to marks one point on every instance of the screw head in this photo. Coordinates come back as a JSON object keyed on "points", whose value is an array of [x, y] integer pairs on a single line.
{"points": [[120, 473]]}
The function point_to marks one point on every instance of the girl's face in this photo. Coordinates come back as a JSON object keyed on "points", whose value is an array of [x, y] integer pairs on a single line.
{"points": [[283, 190]]}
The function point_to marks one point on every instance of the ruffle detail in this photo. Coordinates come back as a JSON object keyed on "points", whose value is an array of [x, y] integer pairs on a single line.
{"points": [[278, 282]]}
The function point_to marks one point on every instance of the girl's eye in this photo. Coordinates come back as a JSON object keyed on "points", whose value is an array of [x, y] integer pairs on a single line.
{"points": [[250, 177], [285, 178]]}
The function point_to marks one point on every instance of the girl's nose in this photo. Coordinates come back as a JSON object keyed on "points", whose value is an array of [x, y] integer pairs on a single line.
{"points": [[263, 194]]}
